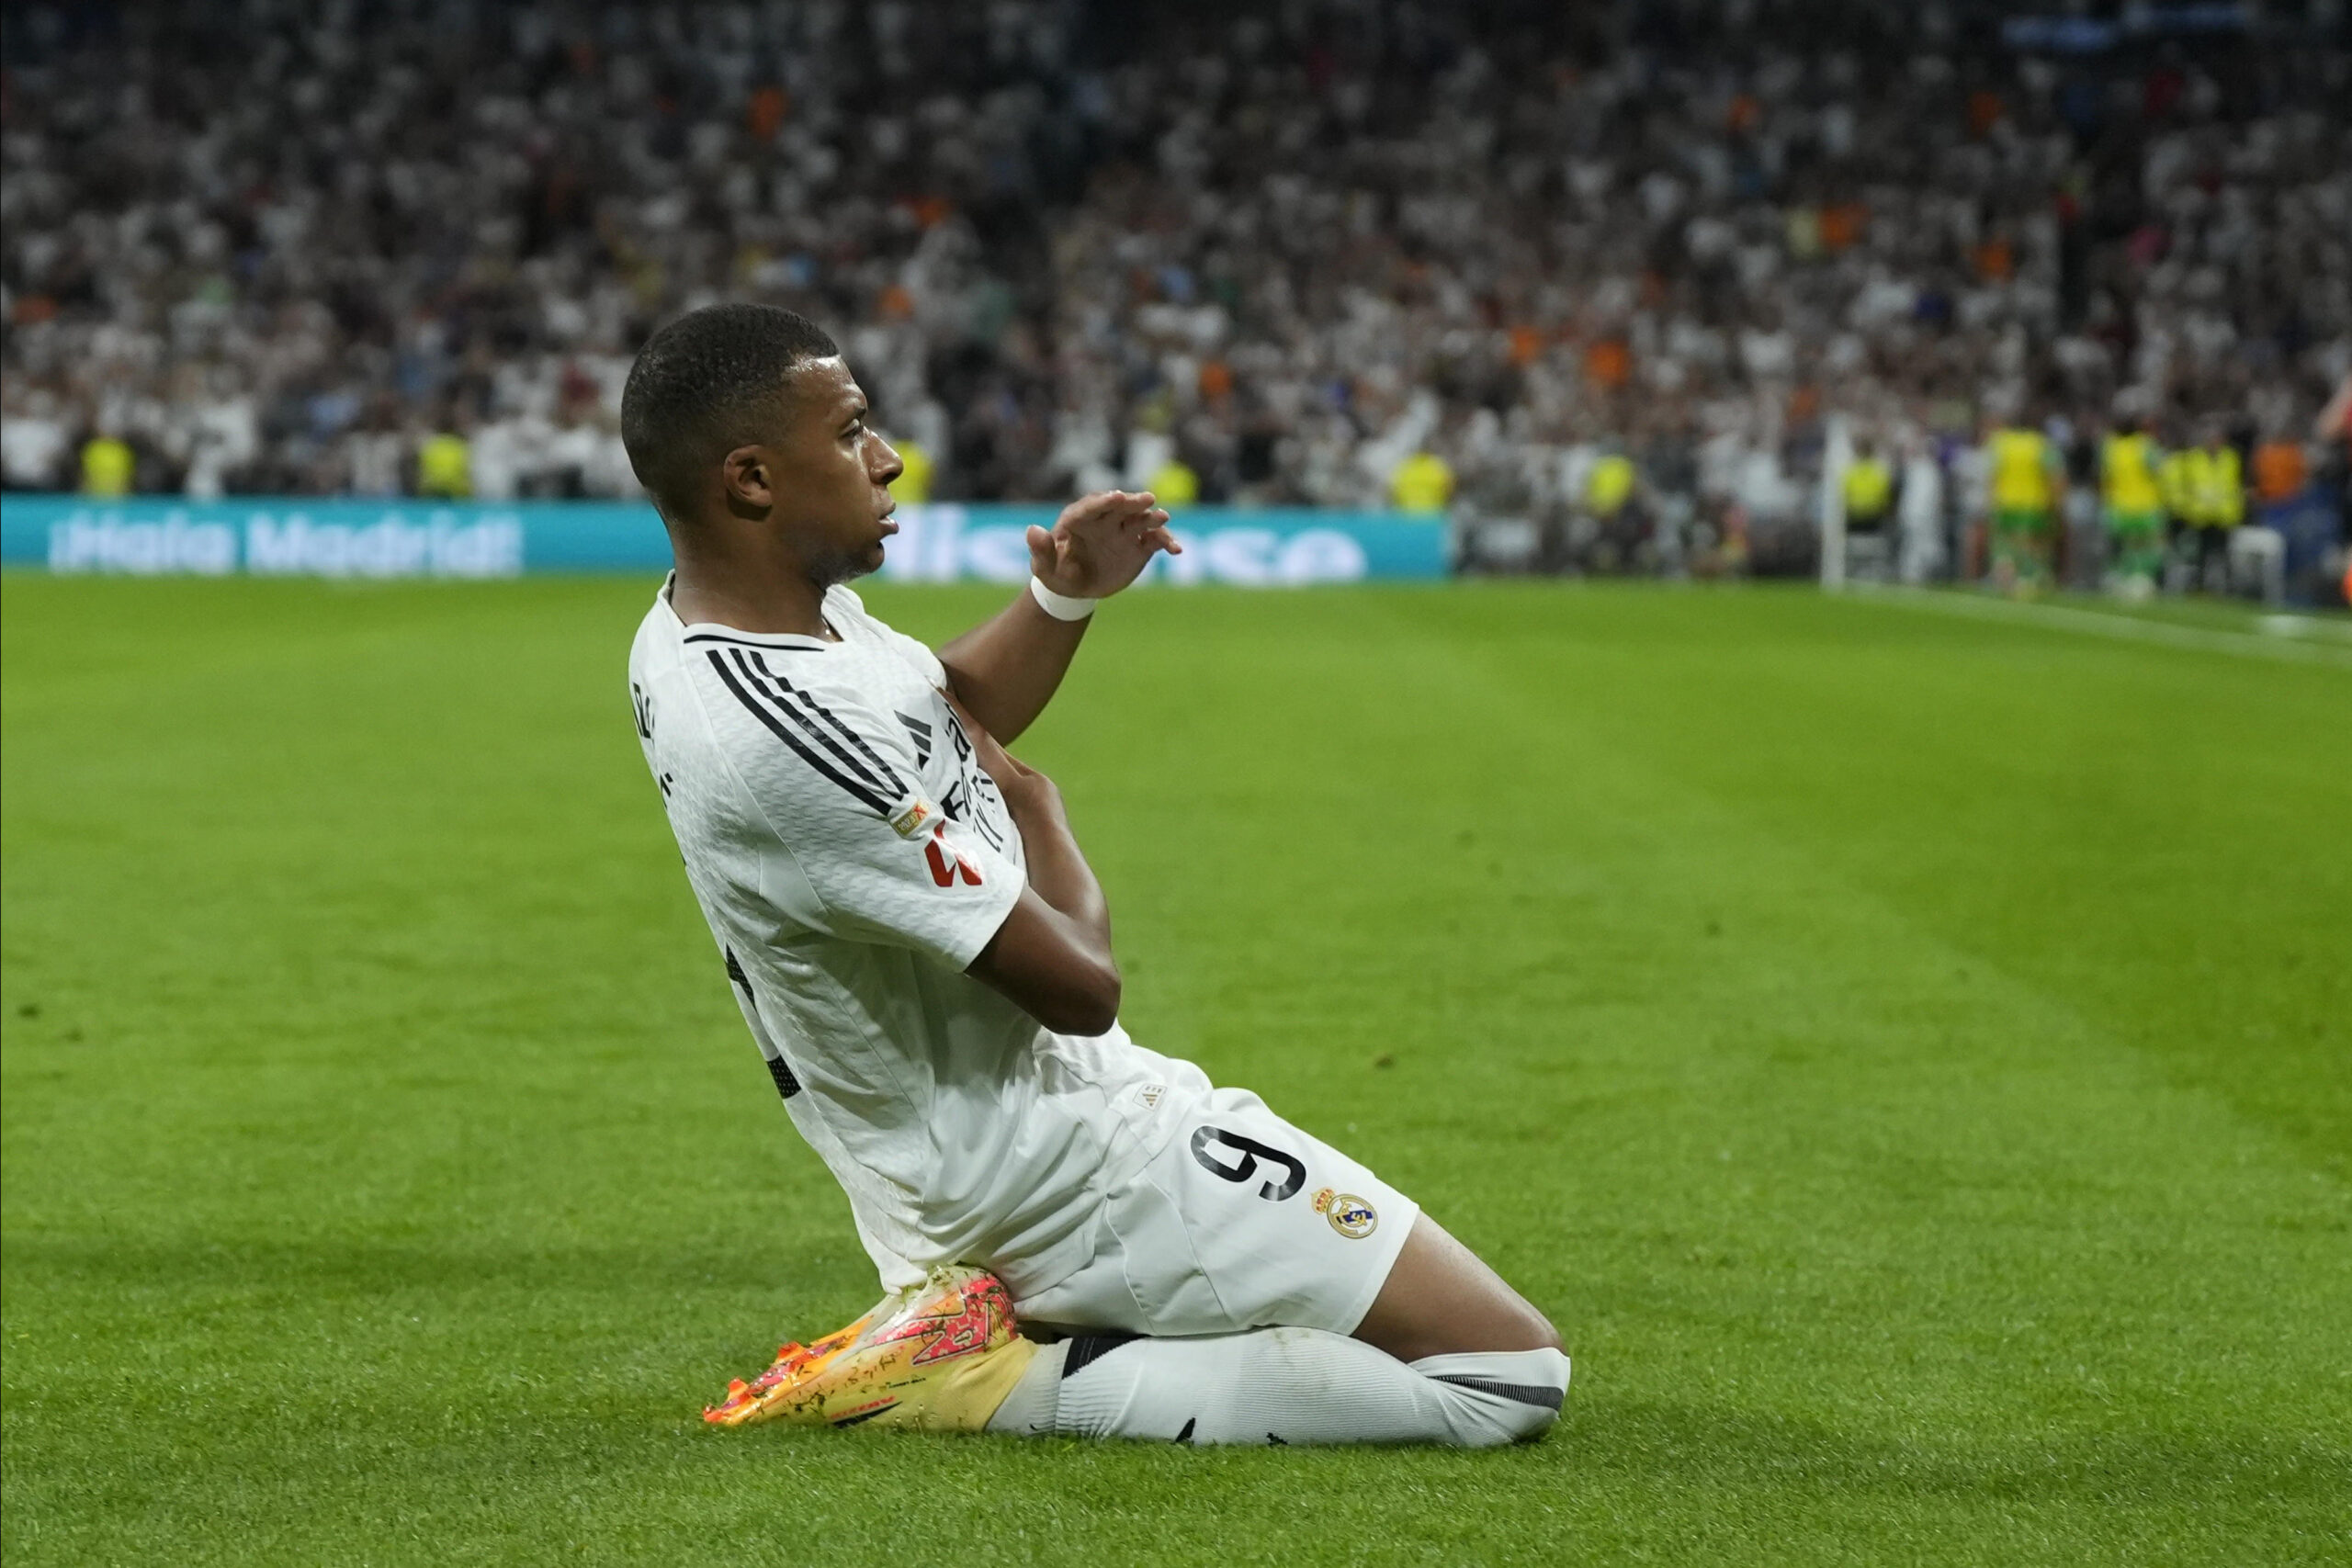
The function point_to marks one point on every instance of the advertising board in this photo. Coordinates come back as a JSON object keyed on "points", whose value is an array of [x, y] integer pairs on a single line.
{"points": [[155, 536]]}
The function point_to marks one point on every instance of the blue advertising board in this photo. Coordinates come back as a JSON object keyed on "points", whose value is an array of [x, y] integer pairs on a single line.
{"points": [[149, 535]]}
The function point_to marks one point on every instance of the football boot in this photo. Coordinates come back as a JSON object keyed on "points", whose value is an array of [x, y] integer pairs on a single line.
{"points": [[938, 1357]]}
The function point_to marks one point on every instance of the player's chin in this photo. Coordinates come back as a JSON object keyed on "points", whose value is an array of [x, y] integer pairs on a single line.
{"points": [[846, 561]]}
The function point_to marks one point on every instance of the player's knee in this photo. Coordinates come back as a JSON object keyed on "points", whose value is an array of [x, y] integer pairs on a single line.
{"points": [[1519, 1330], [1502, 1398], [1530, 1330], [1526, 1423]]}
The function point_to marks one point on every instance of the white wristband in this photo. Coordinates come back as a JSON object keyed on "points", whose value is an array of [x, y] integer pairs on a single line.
{"points": [[1061, 606]]}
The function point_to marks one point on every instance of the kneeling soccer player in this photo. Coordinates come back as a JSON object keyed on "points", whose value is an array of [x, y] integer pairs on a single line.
{"points": [[924, 960]]}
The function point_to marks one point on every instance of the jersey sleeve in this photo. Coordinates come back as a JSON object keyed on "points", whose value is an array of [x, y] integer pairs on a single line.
{"points": [[861, 852]]}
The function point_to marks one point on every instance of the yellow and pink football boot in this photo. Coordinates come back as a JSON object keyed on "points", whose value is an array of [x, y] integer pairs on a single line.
{"points": [[938, 1357]]}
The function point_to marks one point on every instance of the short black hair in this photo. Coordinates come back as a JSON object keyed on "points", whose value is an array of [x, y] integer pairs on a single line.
{"points": [[701, 384]]}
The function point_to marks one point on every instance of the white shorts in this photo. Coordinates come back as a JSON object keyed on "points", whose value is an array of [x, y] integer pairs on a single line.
{"points": [[1242, 1221]]}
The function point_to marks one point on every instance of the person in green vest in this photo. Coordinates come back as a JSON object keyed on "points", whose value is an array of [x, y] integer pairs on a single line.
{"points": [[1610, 485], [2133, 508], [2217, 498], [1174, 483], [912, 487], [2174, 488], [109, 467], [1422, 482], [2026, 477], [445, 466], [1868, 490]]}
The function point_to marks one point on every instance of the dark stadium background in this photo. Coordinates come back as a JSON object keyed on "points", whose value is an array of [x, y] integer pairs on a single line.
{"points": [[1632, 275]]}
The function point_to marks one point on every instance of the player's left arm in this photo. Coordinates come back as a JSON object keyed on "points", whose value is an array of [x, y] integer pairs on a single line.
{"points": [[1006, 668]]}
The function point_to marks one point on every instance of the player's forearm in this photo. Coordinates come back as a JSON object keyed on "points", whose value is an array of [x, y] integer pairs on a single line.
{"points": [[1058, 872], [1007, 669], [1052, 955]]}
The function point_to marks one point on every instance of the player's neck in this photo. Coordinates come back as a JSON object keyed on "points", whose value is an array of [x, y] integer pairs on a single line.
{"points": [[772, 595]]}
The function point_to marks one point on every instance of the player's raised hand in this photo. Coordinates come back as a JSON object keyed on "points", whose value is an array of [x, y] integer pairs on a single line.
{"points": [[1100, 543]]}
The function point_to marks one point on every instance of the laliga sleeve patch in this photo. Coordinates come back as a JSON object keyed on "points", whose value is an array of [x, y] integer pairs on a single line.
{"points": [[915, 818], [1349, 1214]]}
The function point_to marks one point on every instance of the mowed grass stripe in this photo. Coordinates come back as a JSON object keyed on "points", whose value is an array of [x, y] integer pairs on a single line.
{"points": [[2281, 638], [410, 1180]]}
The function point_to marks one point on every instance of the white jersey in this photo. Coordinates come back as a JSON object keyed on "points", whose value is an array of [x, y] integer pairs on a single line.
{"points": [[852, 858]]}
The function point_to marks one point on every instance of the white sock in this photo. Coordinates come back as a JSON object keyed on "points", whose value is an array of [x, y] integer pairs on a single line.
{"points": [[1283, 1386]]}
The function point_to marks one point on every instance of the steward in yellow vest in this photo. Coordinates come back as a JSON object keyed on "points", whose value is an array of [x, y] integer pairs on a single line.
{"points": [[2216, 486], [445, 466], [108, 465], [913, 484], [1869, 492], [1422, 482], [1610, 485], [1174, 483], [2174, 488]]}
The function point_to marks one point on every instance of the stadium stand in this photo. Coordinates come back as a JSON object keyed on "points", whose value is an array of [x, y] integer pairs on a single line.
{"points": [[1605, 269]]}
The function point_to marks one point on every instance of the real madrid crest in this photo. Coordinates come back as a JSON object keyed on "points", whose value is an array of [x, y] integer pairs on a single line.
{"points": [[1349, 1214]]}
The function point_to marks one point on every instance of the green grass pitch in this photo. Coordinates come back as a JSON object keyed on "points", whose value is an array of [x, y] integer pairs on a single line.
{"points": [[1907, 1055]]}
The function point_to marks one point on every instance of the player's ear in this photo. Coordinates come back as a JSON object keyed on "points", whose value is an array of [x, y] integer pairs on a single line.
{"points": [[746, 477]]}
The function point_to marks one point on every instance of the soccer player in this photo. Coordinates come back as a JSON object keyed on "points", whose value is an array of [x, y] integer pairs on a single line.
{"points": [[924, 961], [2027, 478], [2132, 503]]}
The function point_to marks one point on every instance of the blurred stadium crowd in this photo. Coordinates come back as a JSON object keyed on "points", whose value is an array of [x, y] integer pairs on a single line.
{"points": [[1619, 283]]}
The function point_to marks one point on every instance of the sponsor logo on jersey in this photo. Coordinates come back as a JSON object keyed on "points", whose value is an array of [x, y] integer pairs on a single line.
{"points": [[948, 863], [1148, 1095], [915, 819], [1349, 1214]]}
